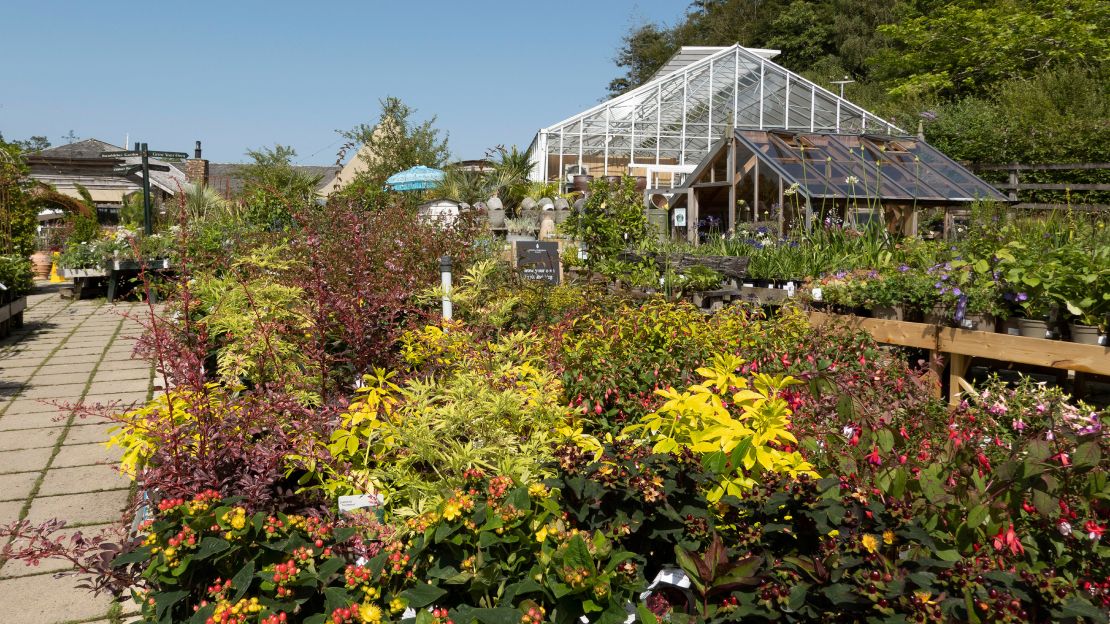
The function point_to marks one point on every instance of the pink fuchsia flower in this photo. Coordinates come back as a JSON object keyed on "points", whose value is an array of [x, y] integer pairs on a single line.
{"points": [[1094, 530], [873, 457], [1041, 408], [997, 409], [1064, 528], [1019, 424], [1007, 540]]}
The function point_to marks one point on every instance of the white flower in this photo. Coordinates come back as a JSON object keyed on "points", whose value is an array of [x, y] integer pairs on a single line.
{"points": [[792, 189], [1064, 528], [847, 431], [851, 180]]}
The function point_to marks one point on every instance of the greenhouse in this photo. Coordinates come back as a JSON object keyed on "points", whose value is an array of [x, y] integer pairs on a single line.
{"points": [[663, 129], [788, 180]]}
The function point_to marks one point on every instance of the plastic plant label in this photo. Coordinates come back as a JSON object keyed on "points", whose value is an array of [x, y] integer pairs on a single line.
{"points": [[347, 504]]}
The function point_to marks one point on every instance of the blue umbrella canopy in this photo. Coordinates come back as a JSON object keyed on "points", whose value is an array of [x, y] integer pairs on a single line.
{"points": [[416, 179]]}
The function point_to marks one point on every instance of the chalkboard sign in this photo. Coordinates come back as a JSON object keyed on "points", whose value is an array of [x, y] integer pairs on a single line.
{"points": [[538, 260]]}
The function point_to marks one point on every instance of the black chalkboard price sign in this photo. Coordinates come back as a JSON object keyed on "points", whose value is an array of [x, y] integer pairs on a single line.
{"points": [[538, 260]]}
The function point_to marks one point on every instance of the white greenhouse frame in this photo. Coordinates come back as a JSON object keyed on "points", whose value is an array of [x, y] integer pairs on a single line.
{"points": [[667, 126]]}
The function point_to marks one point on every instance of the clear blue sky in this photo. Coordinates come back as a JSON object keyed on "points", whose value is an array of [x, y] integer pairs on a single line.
{"points": [[240, 74]]}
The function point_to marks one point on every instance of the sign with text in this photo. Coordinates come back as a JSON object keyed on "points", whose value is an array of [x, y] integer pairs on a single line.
{"points": [[538, 260]]}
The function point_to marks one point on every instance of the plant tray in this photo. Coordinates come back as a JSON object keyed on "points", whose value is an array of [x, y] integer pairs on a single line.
{"points": [[134, 265], [72, 273]]}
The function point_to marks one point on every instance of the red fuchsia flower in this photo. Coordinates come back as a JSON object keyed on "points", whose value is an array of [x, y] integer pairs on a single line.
{"points": [[1007, 540], [1094, 530], [873, 457], [1029, 509], [1062, 458]]}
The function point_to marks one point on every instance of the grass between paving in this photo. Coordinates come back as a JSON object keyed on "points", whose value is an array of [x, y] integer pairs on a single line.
{"points": [[4, 408]]}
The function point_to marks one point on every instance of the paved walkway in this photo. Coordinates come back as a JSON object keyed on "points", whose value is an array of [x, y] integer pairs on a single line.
{"points": [[53, 463]]}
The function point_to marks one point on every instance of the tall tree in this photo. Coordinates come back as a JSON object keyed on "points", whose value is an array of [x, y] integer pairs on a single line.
{"points": [[273, 188], [395, 143]]}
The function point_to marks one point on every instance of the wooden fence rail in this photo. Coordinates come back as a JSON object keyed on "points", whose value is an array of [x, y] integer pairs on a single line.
{"points": [[1014, 183]]}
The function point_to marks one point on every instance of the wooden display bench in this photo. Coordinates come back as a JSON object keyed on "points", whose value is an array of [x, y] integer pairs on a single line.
{"points": [[11, 315], [962, 345]]}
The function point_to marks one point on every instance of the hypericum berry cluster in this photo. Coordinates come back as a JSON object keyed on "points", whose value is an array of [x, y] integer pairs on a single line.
{"points": [[284, 574], [534, 615], [239, 613], [359, 577], [275, 618], [439, 616], [499, 486], [346, 615], [219, 587], [166, 504]]}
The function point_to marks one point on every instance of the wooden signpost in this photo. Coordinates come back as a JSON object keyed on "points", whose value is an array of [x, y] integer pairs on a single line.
{"points": [[145, 168]]}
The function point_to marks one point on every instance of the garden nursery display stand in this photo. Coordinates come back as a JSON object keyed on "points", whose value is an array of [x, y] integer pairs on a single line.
{"points": [[961, 345]]}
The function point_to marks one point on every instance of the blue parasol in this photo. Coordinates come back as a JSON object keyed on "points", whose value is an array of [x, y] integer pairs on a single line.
{"points": [[418, 178]]}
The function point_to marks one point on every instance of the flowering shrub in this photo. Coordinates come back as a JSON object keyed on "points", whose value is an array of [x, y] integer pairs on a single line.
{"points": [[741, 433], [498, 552], [208, 560], [647, 502], [831, 549], [491, 404]]}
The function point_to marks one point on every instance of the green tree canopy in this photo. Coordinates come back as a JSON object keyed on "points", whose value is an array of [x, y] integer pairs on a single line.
{"points": [[963, 47], [273, 187], [395, 143]]}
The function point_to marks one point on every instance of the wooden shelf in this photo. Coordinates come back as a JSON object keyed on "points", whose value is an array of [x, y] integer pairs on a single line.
{"points": [[961, 345]]}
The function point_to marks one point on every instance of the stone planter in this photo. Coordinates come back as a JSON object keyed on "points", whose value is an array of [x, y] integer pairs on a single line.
{"points": [[978, 322], [41, 262], [1034, 328], [1087, 334], [496, 218], [559, 215], [888, 313], [514, 238]]}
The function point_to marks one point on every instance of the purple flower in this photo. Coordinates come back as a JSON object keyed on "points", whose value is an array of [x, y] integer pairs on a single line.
{"points": [[939, 286], [961, 306], [956, 291], [1022, 296], [904, 268]]}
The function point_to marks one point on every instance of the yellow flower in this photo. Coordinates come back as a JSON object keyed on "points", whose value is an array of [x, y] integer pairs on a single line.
{"points": [[924, 597], [537, 490], [238, 522], [370, 613], [170, 552], [451, 510], [397, 605], [834, 533], [870, 543], [541, 535], [888, 537]]}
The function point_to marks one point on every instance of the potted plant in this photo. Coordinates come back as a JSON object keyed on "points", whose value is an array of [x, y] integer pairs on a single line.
{"points": [[1081, 285], [495, 212], [521, 229]]}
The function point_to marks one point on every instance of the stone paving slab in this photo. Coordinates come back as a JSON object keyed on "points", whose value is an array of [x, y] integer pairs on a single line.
{"points": [[16, 487], [44, 599], [85, 455], [25, 461], [88, 508], [64, 348], [30, 438], [13, 422], [83, 479], [86, 432]]}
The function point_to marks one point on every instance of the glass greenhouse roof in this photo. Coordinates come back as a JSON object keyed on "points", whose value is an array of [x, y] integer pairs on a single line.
{"points": [[836, 166], [695, 100]]}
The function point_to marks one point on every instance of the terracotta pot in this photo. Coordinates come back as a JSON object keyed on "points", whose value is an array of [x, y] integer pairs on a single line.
{"points": [[1034, 328], [641, 183], [582, 182], [1087, 334], [41, 261]]}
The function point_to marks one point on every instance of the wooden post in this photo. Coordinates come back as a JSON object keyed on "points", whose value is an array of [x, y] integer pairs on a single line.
{"points": [[692, 215], [957, 368], [1014, 181], [731, 177]]}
